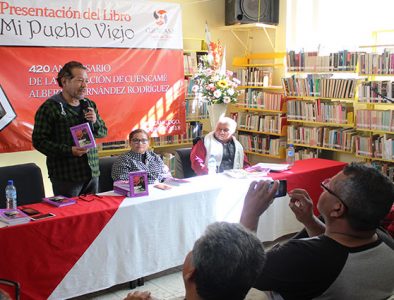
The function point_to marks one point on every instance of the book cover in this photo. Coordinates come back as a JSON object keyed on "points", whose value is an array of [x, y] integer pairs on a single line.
{"points": [[83, 136], [122, 187], [59, 201], [13, 216], [136, 186]]}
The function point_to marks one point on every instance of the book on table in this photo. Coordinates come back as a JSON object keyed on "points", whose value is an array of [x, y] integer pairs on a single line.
{"points": [[13, 216], [59, 201], [136, 186]]}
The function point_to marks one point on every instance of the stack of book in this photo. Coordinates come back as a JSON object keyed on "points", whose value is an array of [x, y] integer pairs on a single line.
{"points": [[59, 201], [13, 216]]}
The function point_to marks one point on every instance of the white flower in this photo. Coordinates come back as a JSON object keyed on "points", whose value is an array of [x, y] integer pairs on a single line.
{"points": [[217, 93], [230, 91], [195, 88], [215, 78], [226, 100]]}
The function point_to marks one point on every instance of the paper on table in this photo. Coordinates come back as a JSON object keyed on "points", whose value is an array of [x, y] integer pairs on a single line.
{"points": [[272, 167]]}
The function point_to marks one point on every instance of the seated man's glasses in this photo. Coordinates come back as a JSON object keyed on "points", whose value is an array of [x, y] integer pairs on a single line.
{"points": [[139, 141], [325, 184]]}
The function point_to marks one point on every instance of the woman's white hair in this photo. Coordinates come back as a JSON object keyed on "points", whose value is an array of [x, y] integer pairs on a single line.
{"points": [[228, 121]]}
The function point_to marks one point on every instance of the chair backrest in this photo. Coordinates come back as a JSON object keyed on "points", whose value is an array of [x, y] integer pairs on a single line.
{"points": [[27, 180], [105, 180], [10, 287], [183, 166]]}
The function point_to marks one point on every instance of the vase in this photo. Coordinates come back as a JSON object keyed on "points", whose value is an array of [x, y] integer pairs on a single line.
{"points": [[216, 111]]}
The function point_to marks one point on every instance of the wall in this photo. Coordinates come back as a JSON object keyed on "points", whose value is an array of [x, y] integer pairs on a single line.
{"points": [[194, 15]]}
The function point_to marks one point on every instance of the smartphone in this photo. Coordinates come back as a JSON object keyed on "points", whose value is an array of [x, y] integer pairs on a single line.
{"points": [[43, 216], [282, 189], [30, 211]]}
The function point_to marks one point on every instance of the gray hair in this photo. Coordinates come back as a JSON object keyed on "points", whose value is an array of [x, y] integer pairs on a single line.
{"points": [[228, 121], [227, 258], [368, 194]]}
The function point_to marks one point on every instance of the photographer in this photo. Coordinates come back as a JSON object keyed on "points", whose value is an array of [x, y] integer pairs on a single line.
{"points": [[347, 257]]}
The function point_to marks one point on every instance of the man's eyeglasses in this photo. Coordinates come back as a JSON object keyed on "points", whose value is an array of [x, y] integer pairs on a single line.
{"points": [[139, 141], [324, 185]]}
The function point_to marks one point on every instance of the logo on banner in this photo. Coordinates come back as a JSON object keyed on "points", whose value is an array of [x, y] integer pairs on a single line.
{"points": [[161, 17], [160, 31]]}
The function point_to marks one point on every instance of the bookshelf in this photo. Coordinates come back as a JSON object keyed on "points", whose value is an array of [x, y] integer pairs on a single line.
{"points": [[261, 109], [321, 92], [340, 102], [375, 110]]}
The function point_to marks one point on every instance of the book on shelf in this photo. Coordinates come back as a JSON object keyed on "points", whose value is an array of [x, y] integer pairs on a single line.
{"points": [[59, 201], [302, 61], [13, 216]]}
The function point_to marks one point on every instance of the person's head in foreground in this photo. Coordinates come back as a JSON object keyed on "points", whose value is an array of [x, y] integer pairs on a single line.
{"points": [[356, 199], [223, 264], [225, 129], [139, 141]]}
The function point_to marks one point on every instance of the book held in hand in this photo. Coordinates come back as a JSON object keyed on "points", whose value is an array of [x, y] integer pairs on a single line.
{"points": [[13, 216], [83, 136], [59, 201]]}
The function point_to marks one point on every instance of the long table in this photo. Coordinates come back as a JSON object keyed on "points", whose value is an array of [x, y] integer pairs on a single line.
{"points": [[91, 246]]}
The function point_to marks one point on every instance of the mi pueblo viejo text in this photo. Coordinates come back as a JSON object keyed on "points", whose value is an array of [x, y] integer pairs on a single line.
{"points": [[66, 31]]}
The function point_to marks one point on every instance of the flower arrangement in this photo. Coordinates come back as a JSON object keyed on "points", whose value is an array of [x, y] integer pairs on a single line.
{"points": [[212, 81]]}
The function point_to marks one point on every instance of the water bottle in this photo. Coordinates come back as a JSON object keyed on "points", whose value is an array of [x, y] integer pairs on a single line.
{"points": [[290, 155], [10, 195], [212, 165]]}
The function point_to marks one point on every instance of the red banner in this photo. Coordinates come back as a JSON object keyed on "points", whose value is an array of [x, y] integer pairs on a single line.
{"points": [[133, 88]]}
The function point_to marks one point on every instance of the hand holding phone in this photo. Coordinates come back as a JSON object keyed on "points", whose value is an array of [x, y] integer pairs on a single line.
{"points": [[282, 188]]}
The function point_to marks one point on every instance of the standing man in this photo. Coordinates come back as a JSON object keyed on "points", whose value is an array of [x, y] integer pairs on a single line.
{"points": [[73, 170]]}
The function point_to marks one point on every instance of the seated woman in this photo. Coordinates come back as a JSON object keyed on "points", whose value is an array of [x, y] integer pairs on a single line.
{"points": [[221, 143], [139, 158]]}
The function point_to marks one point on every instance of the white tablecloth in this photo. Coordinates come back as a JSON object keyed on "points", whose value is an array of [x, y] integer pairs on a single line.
{"points": [[154, 233]]}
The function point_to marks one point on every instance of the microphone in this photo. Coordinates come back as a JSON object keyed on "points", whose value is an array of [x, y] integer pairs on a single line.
{"points": [[85, 108]]}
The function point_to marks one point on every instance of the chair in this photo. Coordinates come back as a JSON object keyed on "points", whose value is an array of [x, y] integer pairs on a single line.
{"points": [[10, 285], [27, 180], [183, 166], [105, 180]]}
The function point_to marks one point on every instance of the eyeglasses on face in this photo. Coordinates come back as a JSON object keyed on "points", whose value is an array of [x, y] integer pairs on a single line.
{"points": [[223, 129], [139, 141], [325, 184]]}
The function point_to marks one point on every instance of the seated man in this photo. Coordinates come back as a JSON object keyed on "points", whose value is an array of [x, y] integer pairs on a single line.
{"points": [[221, 143], [344, 258], [223, 264]]}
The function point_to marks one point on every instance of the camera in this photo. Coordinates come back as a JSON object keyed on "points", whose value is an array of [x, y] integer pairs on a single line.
{"points": [[282, 189]]}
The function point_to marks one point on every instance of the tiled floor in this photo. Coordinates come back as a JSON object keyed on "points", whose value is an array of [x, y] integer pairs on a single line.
{"points": [[165, 285]]}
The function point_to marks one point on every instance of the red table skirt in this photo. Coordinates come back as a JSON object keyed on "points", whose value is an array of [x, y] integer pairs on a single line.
{"points": [[308, 174], [71, 232]]}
